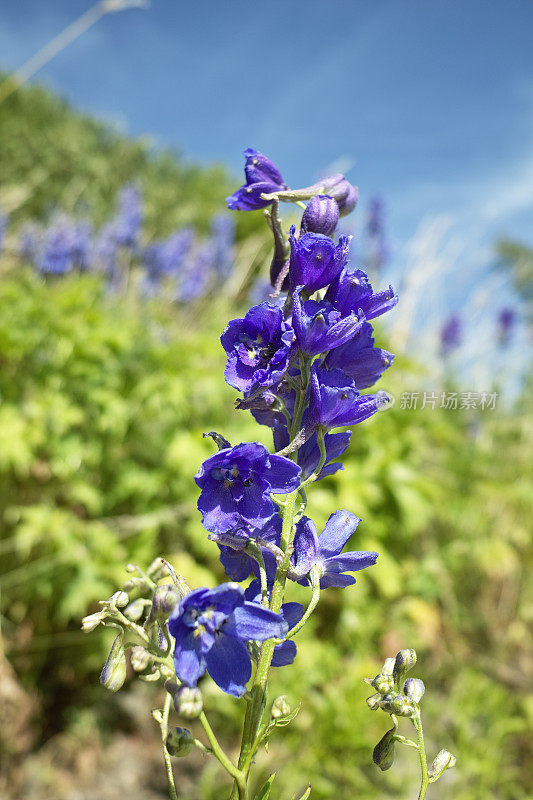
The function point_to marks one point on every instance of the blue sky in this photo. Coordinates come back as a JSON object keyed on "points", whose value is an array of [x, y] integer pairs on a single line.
{"points": [[429, 102]]}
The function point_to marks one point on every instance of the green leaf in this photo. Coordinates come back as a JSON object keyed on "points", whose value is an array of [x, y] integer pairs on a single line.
{"points": [[306, 794], [264, 792]]}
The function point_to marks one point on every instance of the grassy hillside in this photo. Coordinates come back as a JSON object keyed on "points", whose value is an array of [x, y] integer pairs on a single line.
{"points": [[54, 157]]}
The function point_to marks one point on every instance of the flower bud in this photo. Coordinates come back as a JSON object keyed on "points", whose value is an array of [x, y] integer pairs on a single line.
{"points": [[442, 761], [320, 216], [383, 754], [188, 701], [92, 621], [405, 660], [341, 190], [373, 701], [396, 704], [119, 599], [158, 569], [388, 666], [113, 674], [165, 598], [276, 266], [135, 610], [280, 707], [383, 683], [141, 584], [414, 689], [179, 742], [139, 658]]}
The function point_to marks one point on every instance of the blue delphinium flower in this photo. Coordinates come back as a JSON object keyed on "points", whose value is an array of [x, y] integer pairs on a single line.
{"points": [[237, 563], [262, 177], [82, 246], [451, 335], [3, 228], [335, 401], [375, 231], [57, 254], [222, 241], [105, 252], [236, 483], [341, 190], [127, 223], [321, 215], [352, 291], [308, 454], [211, 626], [167, 257], [28, 242], [198, 274], [284, 653], [359, 359], [319, 327], [316, 261], [324, 552], [258, 348], [506, 323]]}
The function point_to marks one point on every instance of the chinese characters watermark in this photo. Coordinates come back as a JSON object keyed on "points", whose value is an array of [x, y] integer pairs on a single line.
{"points": [[416, 401]]}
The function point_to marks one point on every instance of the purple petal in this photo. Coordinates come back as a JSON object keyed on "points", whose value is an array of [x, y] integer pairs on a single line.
{"points": [[189, 662], [338, 529], [351, 561], [283, 475], [305, 546], [254, 621], [334, 579], [284, 654], [292, 613], [229, 664]]}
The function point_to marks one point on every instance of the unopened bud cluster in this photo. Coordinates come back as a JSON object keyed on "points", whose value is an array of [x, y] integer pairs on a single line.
{"points": [[387, 684], [401, 698], [140, 611]]}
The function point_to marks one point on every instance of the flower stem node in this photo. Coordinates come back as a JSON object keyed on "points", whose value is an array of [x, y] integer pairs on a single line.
{"points": [[405, 661], [113, 674], [165, 599], [442, 761], [280, 707], [396, 704], [188, 701], [383, 754], [414, 689], [179, 742]]}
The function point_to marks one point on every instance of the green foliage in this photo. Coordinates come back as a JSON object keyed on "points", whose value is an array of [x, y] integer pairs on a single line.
{"points": [[103, 405], [53, 157]]}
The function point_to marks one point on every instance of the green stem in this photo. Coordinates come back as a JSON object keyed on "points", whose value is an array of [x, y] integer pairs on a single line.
{"points": [[219, 753], [163, 724], [254, 712], [315, 578], [417, 722]]}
